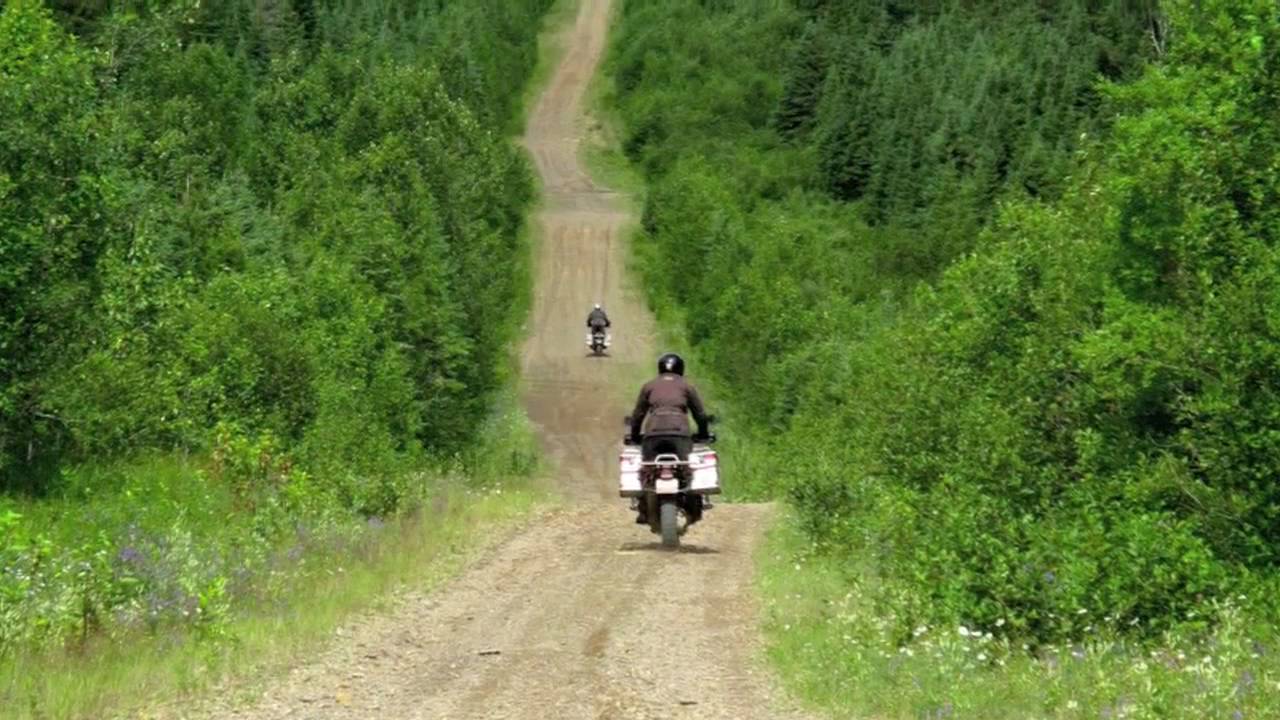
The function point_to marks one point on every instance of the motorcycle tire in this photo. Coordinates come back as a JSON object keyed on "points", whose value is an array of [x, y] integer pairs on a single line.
{"points": [[669, 521]]}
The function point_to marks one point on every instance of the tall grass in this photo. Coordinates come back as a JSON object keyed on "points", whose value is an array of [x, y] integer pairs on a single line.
{"points": [[836, 645], [288, 607]]}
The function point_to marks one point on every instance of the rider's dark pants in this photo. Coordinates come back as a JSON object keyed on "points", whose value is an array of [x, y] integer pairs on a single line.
{"points": [[655, 445]]}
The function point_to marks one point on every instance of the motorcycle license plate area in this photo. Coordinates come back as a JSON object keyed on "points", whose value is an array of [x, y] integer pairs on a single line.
{"points": [[666, 487]]}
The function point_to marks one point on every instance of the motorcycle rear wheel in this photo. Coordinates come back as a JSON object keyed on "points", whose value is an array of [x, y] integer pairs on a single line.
{"points": [[669, 521]]}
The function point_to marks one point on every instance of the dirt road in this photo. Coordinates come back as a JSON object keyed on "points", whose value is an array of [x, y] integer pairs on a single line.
{"points": [[580, 615]]}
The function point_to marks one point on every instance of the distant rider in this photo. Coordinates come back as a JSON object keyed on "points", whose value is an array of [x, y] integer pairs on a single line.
{"points": [[597, 321], [666, 402]]}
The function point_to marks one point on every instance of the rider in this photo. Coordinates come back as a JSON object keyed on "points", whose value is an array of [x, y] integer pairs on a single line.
{"points": [[666, 402], [597, 320]]}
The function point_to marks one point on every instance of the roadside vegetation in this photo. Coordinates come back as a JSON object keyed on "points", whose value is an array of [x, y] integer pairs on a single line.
{"points": [[261, 266], [991, 290]]}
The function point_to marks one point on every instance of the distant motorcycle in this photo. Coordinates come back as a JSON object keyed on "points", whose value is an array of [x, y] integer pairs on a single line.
{"points": [[598, 341], [675, 491]]}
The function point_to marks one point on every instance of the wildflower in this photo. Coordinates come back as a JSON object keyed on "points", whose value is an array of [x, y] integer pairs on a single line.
{"points": [[129, 554], [963, 631], [1245, 684]]}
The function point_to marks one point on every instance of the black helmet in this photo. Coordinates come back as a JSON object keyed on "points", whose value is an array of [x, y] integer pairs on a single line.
{"points": [[671, 363]]}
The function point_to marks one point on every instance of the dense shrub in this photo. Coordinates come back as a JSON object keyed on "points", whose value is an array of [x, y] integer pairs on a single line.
{"points": [[288, 231], [212, 214], [1070, 422], [1080, 415]]}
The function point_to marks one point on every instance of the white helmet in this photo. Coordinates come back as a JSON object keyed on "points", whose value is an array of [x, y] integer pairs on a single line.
{"points": [[597, 306]]}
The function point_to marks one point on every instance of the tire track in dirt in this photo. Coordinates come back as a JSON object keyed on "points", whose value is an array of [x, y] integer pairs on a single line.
{"points": [[581, 614]]}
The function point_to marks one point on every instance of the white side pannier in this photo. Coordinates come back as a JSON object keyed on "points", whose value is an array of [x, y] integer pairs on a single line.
{"points": [[705, 469], [629, 472]]}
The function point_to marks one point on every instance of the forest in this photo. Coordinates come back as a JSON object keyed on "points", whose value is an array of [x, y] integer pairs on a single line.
{"points": [[991, 290], [261, 263], [989, 293]]}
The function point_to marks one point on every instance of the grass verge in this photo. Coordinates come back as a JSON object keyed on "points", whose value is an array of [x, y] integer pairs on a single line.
{"points": [[602, 149], [111, 676], [835, 651], [552, 44], [119, 678]]}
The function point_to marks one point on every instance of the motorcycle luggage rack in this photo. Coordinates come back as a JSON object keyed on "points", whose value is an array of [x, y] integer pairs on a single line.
{"points": [[664, 459]]}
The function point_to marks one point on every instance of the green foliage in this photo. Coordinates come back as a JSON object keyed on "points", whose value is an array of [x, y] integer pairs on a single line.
{"points": [[1016, 374], [839, 646], [953, 99], [283, 235], [212, 214], [1081, 414], [51, 198]]}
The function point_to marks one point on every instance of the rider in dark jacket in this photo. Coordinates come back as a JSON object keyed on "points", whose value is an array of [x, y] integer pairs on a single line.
{"points": [[666, 402], [597, 318]]}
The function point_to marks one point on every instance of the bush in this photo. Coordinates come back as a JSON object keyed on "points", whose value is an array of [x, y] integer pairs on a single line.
{"points": [[260, 263], [1028, 373]]}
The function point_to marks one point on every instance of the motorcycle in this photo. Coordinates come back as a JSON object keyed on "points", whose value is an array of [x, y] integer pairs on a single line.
{"points": [[676, 492], [598, 341]]}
